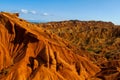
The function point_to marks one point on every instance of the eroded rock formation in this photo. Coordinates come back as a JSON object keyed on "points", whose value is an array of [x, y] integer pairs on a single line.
{"points": [[28, 52], [99, 41], [67, 50]]}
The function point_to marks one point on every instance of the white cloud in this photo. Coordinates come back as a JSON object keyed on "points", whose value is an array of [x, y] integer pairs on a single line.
{"points": [[45, 14], [33, 12], [24, 11]]}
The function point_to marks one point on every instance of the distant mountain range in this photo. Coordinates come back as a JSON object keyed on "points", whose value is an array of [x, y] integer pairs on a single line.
{"points": [[37, 21]]}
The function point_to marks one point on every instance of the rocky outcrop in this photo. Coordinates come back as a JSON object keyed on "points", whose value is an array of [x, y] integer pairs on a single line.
{"points": [[100, 42], [28, 52]]}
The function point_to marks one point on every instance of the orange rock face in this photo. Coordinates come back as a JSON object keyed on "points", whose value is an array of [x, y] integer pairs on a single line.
{"points": [[68, 50], [28, 52], [99, 41]]}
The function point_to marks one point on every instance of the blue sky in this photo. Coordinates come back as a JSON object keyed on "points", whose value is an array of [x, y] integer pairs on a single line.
{"points": [[58, 10]]}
